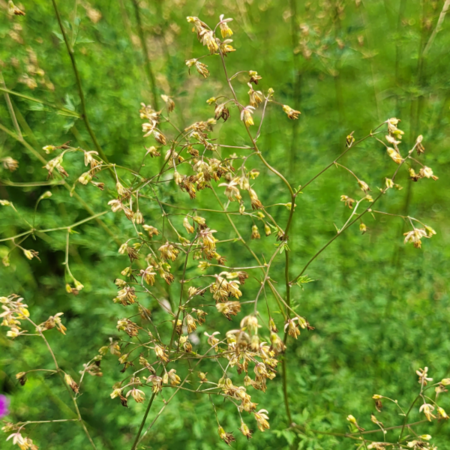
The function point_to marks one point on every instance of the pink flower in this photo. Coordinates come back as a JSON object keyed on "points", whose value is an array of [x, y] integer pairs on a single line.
{"points": [[4, 402]]}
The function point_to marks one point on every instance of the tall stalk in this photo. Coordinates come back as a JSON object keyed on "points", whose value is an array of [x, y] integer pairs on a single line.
{"points": [[84, 114], [148, 64]]}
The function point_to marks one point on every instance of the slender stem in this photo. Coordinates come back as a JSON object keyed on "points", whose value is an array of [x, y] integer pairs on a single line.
{"points": [[355, 435], [255, 146], [66, 111], [297, 85], [84, 116], [438, 27], [22, 424], [148, 64], [406, 416], [175, 322], [340, 156], [106, 228], [348, 225], [59, 371], [136, 440], [285, 393], [10, 106]]}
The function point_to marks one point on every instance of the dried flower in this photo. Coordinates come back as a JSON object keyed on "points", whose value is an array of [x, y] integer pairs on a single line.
{"points": [[168, 251], [291, 113], [254, 77], [212, 341], [427, 409], [347, 201], [292, 328], [423, 376], [364, 186], [187, 225], [226, 437], [71, 383], [255, 232], [427, 173], [256, 97], [152, 231], [395, 155], [262, 419], [419, 147], [138, 395], [245, 430], [10, 164], [13, 10], [415, 237], [161, 353], [170, 104]]}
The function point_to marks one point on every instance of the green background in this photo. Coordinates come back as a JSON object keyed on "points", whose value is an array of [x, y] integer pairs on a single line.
{"points": [[380, 308]]}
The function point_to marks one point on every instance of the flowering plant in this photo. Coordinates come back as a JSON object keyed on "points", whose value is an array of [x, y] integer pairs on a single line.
{"points": [[167, 345]]}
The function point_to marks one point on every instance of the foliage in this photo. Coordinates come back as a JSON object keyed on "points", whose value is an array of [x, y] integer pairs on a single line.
{"points": [[379, 307]]}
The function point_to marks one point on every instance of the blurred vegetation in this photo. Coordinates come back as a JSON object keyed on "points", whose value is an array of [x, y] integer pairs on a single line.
{"points": [[381, 309]]}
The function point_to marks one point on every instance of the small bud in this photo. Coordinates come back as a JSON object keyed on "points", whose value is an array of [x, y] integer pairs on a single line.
{"points": [[350, 139], [120, 189], [49, 149], [21, 378], [255, 232], [364, 186], [85, 178], [47, 194], [138, 217], [69, 381]]}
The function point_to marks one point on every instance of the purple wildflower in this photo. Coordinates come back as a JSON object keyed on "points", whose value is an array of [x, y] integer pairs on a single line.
{"points": [[3, 406]]}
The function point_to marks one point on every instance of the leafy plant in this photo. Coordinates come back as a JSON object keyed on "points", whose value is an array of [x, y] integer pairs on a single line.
{"points": [[177, 286]]}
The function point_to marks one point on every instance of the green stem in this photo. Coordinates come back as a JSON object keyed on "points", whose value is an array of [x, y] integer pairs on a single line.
{"points": [[66, 185], [136, 440], [84, 116], [42, 102], [148, 64], [297, 86]]}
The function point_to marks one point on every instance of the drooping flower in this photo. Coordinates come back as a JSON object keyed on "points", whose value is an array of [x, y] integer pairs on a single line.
{"points": [[137, 394], [395, 155], [226, 437], [291, 113], [256, 97], [169, 102], [10, 164], [262, 419], [225, 30], [415, 236], [427, 409], [246, 115]]}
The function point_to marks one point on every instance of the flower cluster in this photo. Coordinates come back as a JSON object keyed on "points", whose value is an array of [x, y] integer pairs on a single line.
{"points": [[429, 408], [162, 344]]}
